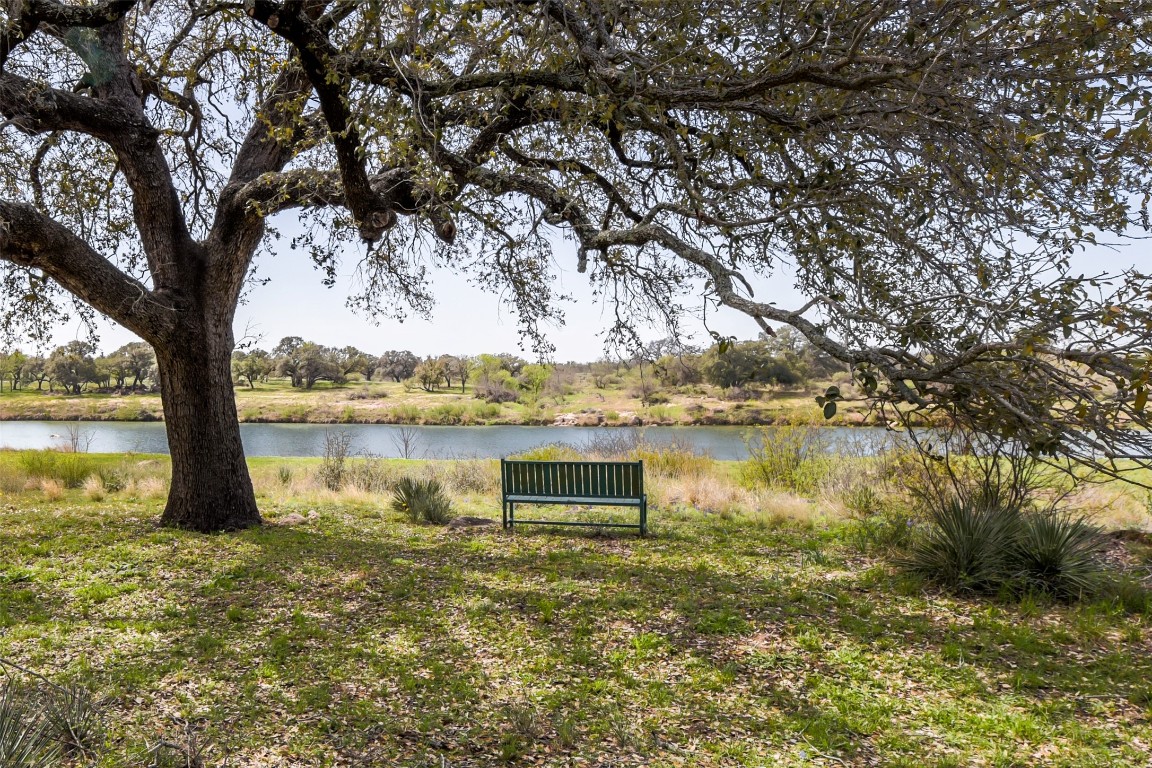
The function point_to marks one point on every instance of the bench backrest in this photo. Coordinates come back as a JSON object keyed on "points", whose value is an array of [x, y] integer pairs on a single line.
{"points": [[594, 479]]}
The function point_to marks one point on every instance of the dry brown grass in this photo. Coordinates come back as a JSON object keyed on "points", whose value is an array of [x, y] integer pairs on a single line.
{"points": [[53, 490], [94, 488], [1114, 506]]}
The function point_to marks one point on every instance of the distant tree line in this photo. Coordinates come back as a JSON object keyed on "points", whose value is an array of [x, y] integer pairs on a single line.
{"points": [[785, 359], [75, 366]]}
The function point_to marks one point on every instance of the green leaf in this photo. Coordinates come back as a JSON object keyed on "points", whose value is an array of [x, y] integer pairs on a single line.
{"points": [[1141, 400], [829, 410]]}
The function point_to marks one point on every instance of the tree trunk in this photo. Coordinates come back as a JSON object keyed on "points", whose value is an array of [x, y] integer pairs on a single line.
{"points": [[211, 489]]}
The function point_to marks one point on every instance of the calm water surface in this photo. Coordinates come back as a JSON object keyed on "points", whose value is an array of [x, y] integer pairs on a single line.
{"points": [[385, 439]]}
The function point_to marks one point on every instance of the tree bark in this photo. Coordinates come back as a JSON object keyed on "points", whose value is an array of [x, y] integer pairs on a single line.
{"points": [[211, 489]]}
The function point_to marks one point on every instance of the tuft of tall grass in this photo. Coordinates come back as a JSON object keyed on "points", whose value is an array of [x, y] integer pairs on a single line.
{"points": [[52, 489], [94, 488], [465, 476], [70, 469], [148, 487], [12, 480]]}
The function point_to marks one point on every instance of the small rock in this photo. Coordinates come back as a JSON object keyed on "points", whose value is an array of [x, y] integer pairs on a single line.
{"points": [[467, 521], [292, 519]]}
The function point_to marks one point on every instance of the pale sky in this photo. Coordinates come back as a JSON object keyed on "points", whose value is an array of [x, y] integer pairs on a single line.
{"points": [[465, 320]]}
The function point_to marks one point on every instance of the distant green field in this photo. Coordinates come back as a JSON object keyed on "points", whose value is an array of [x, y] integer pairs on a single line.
{"points": [[391, 403]]}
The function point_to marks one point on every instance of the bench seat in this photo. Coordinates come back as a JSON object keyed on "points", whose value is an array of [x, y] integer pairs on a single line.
{"points": [[590, 500]]}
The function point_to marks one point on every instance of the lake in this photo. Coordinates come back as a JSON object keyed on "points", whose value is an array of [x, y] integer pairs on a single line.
{"points": [[387, 440]]}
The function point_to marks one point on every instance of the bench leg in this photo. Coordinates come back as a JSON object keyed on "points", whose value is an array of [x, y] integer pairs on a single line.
{"points": [[504, 514], [511, 516], [644, 516]]}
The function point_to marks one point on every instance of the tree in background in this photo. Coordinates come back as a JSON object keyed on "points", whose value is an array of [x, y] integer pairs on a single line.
{"points": [[252, 366], [36, 369], [928, 169], [430, 374], [494, 383], [746, 362], [141, 361], [799, 354], [533, 377], [397, 365], [12, 366], [134, 359], [351, 360], [318, 363], [72, 366]]}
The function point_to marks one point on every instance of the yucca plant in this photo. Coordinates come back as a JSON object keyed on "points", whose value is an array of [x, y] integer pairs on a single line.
{"points": [[24, 740], [1058, 553], [422, 501], [966, 546], [72, 718]]}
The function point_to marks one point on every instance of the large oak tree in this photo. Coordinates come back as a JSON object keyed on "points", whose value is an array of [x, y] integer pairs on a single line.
{"points": [[926, 169]]}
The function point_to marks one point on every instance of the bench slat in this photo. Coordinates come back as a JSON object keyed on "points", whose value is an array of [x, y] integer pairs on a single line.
{"points": [[523, 498]]}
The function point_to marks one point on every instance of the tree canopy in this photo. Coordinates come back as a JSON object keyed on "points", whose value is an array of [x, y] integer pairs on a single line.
{"points": [[926, 169]]}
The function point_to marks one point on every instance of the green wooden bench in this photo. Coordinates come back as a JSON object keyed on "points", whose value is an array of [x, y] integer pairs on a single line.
{"points": [[604, 483]]}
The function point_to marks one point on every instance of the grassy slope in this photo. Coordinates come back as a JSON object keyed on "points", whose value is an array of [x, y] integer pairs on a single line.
{"points": [[388, 402], [356, 638]]}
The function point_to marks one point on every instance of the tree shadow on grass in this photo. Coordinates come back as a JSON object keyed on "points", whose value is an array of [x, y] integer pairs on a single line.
{"points": [[394, 642]]}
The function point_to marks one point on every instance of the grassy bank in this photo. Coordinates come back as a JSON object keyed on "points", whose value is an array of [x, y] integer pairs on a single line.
{"points": [[753, 634], [361, 402]]}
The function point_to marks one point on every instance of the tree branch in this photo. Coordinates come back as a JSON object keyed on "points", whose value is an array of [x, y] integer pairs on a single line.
{"points": [[30, 239]]}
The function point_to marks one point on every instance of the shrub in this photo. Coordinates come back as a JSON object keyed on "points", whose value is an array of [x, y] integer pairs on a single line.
{"points": [[112, 480], [550, 452], [485, 411], [965, 546], [69, 469], [337, 447], [368, 394], [886, 531], [990, 548], [740, 394], [788, 457], [613, 443], [671, 460], [495, 392], [1057, 553], [406, 413], [1128, 593], [422, 501], [371, 475], [473, 475], [284, 475], [446, 413]]}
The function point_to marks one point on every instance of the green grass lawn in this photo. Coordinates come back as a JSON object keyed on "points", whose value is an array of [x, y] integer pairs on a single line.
{"points": [[357, 638]]}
